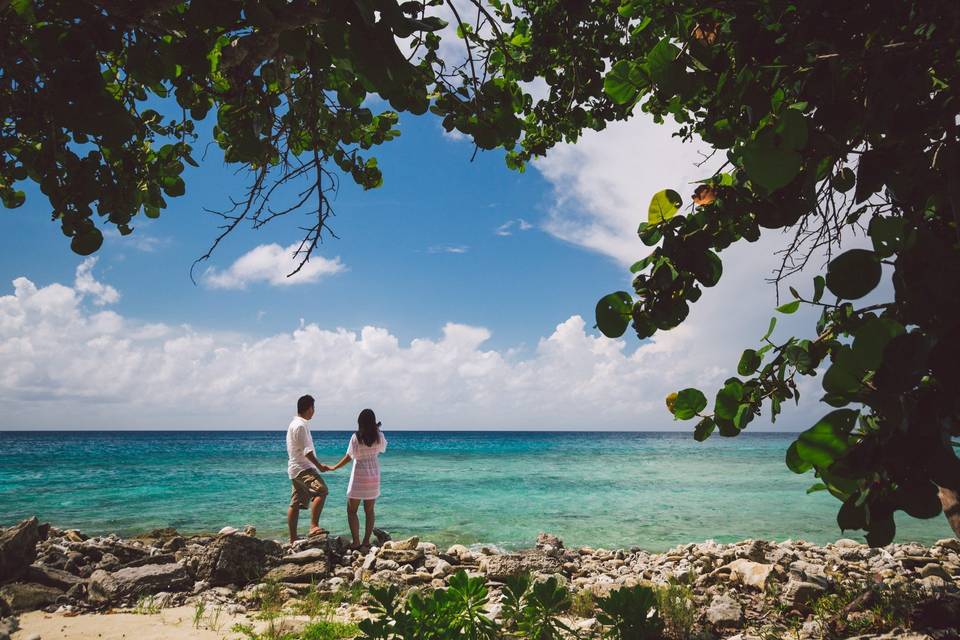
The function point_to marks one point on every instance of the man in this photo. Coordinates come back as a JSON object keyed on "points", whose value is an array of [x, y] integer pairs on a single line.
{"points": [[304, 470]]}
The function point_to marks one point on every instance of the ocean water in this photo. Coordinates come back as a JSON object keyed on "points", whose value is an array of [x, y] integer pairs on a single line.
{"points": [[652, 490]]}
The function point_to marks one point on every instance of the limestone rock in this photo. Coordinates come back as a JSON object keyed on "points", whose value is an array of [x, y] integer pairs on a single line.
{"points": [[18, 548], [29, 596], [237, 559], [501, 567], [410, 544], [545, 539], [934, 569], [7, 627], [749, 573], [400, 556], [798, 593], [306, 556], [724, 611], [133, 582], [291, 572], [51, 577]]}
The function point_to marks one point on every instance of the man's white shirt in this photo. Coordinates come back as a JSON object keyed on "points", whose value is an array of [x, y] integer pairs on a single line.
{"points": [[299, 443]]}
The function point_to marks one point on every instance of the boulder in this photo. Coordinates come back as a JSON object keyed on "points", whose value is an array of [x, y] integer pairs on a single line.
{"points": [[798, 593], [749, 573], [499, 568], [237, 559], [18, 548], [132, 582], [51, 577], [548, 539], [934, 569], [291, 572], [29, 596], [410, 544], [400, 556], [305, 556], [724, 611], [382, 536]]}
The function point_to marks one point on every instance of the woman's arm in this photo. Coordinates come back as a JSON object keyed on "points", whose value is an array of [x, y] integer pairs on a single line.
{"points": [[344, 460]]}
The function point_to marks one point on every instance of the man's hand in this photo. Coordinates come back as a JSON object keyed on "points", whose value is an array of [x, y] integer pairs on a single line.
{"points": [[324, 468]]}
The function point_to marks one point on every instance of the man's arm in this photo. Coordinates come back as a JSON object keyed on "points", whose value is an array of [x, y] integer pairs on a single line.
{"points": [[319, 465]]}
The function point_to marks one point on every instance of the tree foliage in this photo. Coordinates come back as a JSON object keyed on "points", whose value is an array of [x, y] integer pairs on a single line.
{"points": [[832, 117]]}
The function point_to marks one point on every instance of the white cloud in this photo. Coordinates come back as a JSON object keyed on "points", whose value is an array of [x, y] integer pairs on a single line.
{"points": [[506, 229], [86, 284], [63, 364], [272, 264], [448, 248]]}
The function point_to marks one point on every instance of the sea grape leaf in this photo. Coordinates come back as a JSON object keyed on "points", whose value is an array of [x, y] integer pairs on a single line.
{"points": [[663, 206], [853, 274], [613, 313]]}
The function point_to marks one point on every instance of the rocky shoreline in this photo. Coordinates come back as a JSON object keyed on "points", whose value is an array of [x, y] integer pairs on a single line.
{"points": [[750, 589]]}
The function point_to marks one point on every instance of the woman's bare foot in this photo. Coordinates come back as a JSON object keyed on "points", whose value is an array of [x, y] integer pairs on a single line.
{"points": [[317, 531]]}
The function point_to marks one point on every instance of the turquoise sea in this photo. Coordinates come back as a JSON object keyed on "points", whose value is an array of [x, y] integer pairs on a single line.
{"points": [[652, 490]]}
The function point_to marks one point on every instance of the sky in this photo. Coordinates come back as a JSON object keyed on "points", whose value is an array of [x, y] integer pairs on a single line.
{"points": [[459, 295]]}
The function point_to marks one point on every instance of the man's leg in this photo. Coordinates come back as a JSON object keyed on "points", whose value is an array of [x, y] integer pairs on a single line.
{"points": [[353, 520], [293, 513], [316, 506]]}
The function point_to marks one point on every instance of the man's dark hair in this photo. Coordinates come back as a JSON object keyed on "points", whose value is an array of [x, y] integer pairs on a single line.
{"points": [[304, 403]]}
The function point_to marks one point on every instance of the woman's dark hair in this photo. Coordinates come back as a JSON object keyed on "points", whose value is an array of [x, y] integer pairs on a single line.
{"points": [[368, 429]]}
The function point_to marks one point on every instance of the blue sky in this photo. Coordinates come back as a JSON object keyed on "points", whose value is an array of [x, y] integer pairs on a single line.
{"points": [[459, 295]]}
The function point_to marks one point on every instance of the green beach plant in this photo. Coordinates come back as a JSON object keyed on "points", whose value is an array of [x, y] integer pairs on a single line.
{"points": [[543, 604], [147, 605], [630, 613], [582, 604], [677, 609], [199, 607]]}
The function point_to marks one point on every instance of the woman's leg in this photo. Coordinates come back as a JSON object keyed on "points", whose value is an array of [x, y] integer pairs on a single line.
{"points": [[370, 518], [353, 520]]}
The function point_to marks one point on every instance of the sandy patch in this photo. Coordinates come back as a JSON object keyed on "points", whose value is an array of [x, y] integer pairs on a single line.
{"points": [[170, 624]]}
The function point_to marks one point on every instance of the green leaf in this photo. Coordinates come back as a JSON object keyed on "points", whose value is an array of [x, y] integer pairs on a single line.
{"points": [[613, 313], [791, 128], [881, 531], [886, 234], [87, 242], [870, 340], [688, 403], [824, 442], [852, 515], [818, 284], [743, 416], [769, 167], [663, 206], [649, 234], [727, 403], [794, 462], [844, 180], [703, 430], [790, 307], [749, 363], [773, 323], [625, 81], [818, 486], [853, 274]]}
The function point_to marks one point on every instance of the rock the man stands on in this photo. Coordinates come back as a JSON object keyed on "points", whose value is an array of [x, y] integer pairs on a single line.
{"points": [[304, 470]]}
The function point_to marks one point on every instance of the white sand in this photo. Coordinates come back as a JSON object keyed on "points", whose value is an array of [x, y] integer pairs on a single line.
{"points": [[170, 624]]}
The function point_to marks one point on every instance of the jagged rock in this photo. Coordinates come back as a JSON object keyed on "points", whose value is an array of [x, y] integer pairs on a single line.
{"points": [[237, 559], [382, 536], [7, 627], [401, 556], [545, 539], [18, 548], [226, 531], [442, 568], [51, 577], [28, 596], [749, 573], [4, 609], [290, 572], [953, 544], [133, 582], [174, 544], [934, 569], [500, 567], [724, 611], [798, 593], [305, 556], [410, 544]]}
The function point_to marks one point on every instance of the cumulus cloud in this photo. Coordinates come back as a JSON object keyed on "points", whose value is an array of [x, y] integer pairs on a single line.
{"points": [[101, 294], [272, 264], [64, 362]]}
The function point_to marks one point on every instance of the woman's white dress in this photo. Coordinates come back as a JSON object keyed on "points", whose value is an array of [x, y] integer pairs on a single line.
{"points": [[365, 474]]}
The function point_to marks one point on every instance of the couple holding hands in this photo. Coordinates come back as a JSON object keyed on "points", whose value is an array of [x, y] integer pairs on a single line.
{"points": [[304, 471]]}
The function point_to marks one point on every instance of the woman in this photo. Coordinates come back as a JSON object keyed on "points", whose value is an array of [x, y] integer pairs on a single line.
{"points": [[364, 449]]}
